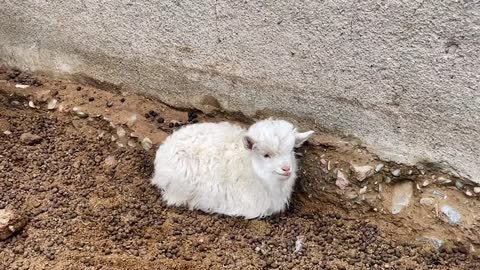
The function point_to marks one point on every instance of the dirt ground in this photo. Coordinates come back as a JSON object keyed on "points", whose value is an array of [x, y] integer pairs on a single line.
{"points": [[84, 187]]}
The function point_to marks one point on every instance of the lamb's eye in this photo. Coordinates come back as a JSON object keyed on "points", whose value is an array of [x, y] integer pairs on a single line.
{"points": [[266, 156]]}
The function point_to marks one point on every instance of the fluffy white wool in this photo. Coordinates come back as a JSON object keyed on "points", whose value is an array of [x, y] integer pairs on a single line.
{"points": [[224, 168]]}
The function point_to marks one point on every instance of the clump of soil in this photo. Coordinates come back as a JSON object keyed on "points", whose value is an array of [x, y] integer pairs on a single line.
{"points": [[90, 205]]}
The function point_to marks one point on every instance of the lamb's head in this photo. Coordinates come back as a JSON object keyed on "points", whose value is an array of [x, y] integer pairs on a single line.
{"points": [[271, 143]]}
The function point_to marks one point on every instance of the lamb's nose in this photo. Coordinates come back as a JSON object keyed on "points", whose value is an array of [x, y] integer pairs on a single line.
{"points": [[286, 168]]}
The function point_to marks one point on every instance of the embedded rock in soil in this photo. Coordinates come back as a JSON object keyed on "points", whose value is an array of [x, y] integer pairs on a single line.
{"points": [[121, 132], [146, 144], [10, 223], [110, 161], [427, 201], [444, 181], [433, 241], [132, 120], [52, 104], [451, 215], [342, 181], [402, 194], [30, 139], [362, 172], [396, 172], [379, 167]]}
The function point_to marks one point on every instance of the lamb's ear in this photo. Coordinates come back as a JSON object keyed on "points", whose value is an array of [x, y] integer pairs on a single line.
{"points": [[300, 138], [248, 143]]}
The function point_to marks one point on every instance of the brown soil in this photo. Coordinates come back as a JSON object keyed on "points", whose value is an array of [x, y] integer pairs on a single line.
{"points": [[90, 205]]}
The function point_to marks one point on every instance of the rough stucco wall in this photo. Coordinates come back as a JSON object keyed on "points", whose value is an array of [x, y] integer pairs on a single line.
{"points": [[403, 77]]}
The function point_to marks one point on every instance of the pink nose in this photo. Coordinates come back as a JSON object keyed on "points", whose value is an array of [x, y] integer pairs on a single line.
{"points": [[286, 168]]}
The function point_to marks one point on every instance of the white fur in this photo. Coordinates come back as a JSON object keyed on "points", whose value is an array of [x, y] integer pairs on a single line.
{"points": [[221, 168]]}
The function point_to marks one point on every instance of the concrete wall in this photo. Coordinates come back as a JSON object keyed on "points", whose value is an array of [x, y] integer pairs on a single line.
{"points": [[403, 76]]}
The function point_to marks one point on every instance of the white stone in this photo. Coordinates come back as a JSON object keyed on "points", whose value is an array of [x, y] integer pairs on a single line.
{"points": [[396, 172], [110, 161], [443, 180], [427, 201], [52, 104], [476, 189], [362, 172], [132, 143], [298, 244], [342, 181], [22, 86], [146, 144], [363, 190], [132, 120], [121, 132], [402, 194], [379, 167], [451, 215], [10, 223]]}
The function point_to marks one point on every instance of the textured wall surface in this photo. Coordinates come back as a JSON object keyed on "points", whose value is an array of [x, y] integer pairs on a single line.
{"points": [[403, 76]]}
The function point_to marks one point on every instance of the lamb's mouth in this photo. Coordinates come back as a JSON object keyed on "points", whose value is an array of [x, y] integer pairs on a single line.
{"points": [[284, 174]]}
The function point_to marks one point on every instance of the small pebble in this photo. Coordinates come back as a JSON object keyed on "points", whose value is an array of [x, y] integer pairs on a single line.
{"points": [[444, 181], [476, 189], [122, 100], [459, 185], [363, 190], [131, 143], [52, 104], [362, 172], [402, 194], [31, 104], [396, 172], [146, 144], [132, 120], [79, 88], [439, 194], [468, 193], [110, 161], [10, 223], [82, 115], [121, 132], [22, 86], [30, 139], [161, 120], [109, 104], [427, 201], [91, 99], [451, 214], [7, 132], [342, 181], [379, 167]]}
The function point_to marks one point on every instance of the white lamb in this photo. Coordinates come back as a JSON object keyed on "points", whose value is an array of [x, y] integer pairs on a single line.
{"points": [[223, 168]]}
